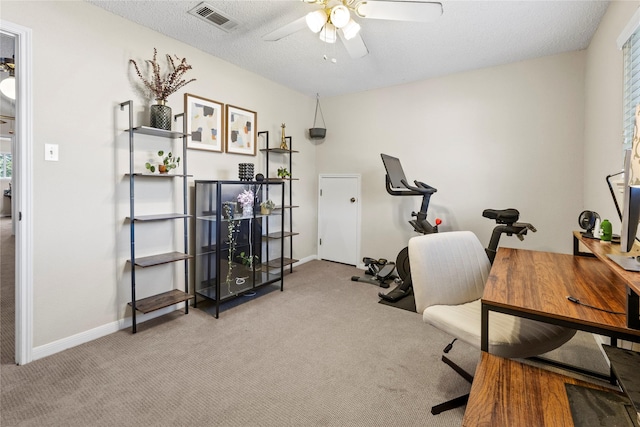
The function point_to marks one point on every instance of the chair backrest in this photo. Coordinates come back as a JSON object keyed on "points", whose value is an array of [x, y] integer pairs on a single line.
{"points": [[447, 268]]}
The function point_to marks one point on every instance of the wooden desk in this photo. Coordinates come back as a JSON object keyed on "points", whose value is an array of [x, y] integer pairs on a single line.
{"points": [[509, 393], [535, 285], [630, 278]]}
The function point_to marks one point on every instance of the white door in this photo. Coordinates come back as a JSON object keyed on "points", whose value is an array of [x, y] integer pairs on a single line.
{"points": [[339, 218]]}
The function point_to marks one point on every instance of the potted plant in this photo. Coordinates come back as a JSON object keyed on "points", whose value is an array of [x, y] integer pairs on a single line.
{"points": [[283, 173], [246, 201], [266, 207], [161, 85], [318, 132], [168, 162]]}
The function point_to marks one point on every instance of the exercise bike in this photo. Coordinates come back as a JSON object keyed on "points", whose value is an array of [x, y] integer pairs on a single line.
{"points": [[507, 220], [398, 272], [384, 271]]}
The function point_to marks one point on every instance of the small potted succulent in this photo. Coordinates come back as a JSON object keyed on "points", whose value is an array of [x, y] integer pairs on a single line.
{"points": [[283, 173], [266, 207], [168, 162]]}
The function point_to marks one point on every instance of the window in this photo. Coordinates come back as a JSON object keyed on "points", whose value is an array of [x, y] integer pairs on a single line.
{"points": [[629, 42], [631, 54], [6, 165]]}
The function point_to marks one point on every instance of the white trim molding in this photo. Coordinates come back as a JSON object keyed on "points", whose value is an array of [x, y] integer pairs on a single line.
{"points": [[99, 332], [23, 190]]}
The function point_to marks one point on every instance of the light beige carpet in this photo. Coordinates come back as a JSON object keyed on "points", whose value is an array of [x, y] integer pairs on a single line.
{"points": [[321, 353]]}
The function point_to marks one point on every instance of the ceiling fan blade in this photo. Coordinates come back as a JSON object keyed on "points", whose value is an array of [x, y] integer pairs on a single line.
{"points": [[417, 11], [355, 46], [290, 28]]}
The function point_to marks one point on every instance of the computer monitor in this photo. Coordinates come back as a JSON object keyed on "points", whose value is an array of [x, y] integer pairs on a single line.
{"points": [[394, 172], [630, 208], [630, 219]]}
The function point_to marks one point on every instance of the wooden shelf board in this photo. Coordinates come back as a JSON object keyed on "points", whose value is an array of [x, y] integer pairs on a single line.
{"points": [[278, 150], [158, 175], [159, 259], [278, 234], [165, 299], [146, 130], [159, 217], [276, 262]]}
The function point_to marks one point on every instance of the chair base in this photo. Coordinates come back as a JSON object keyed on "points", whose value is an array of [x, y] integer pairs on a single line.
{"points": [[458, 401], [450, 404], [464, 374]]}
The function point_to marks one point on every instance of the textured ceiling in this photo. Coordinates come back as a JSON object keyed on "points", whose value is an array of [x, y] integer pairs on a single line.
{"points": [[469, 35]]}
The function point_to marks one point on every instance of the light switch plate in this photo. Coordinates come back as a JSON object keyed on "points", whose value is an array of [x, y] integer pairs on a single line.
{"points": [[51, 152]]}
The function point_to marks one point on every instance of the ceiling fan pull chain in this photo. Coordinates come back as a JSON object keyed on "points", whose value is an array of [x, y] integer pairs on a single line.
{"points": [[318, 106]]}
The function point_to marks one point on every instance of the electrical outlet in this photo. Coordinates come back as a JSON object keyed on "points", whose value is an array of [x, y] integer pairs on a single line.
{"points": [[51, 152]]}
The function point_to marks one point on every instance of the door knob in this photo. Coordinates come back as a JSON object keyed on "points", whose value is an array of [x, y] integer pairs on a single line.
{"points": [[353, 200]]}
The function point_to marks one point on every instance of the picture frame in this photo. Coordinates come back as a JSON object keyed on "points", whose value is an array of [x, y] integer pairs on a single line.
{"points": [[241, 130], [205, 123]]}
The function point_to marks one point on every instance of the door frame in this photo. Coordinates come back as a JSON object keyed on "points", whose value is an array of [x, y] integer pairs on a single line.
{"points": [[23, 190], [358, 209]]}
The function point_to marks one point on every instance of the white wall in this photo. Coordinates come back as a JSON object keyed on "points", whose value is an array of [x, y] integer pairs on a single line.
{"points": [[507, 136], [82, 73], [603, 110], [535, 135]]}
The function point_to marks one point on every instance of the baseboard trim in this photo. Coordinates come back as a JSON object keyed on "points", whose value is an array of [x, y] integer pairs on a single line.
{"points": [[305, 259], [109, 328], [95, 333]]}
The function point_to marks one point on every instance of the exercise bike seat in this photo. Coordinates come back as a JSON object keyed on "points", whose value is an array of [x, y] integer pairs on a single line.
{"points": [[502, 216]]}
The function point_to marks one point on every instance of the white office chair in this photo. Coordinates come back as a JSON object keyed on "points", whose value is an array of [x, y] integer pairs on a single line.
{"points": [[449, 271]]}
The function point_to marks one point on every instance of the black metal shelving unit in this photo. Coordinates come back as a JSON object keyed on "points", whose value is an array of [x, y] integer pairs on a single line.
{"points": [[172, 296], [224, 233], [286, 158]]}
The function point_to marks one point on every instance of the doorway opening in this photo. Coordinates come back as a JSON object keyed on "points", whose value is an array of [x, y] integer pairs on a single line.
{"points": [[16, 44]]}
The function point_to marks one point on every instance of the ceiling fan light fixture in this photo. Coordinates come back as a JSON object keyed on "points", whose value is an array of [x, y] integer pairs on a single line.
{"points": [[316, 20], [340, 15], [8, 87], [328, 34], [350, 30]]}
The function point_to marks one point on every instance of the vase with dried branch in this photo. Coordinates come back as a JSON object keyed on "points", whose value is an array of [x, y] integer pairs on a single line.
{"points": [[161, 85]]}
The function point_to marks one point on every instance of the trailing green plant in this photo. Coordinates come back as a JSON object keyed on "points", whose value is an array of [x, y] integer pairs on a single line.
{"points": [[232, 229], [168, 162]]}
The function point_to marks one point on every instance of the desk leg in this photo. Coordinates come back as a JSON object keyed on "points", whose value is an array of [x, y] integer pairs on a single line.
{"points": [[633, 309], [484, 329], [576, 249]]}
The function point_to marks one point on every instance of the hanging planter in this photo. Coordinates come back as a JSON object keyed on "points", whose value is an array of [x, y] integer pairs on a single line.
{"points": [[318, 132]]}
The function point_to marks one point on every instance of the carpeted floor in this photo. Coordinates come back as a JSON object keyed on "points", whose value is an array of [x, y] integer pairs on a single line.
{"points": [[7, 293], [321, 353]]}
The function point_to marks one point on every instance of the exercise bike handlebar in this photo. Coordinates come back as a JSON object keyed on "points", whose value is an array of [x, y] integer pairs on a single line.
{"points": [[420, 189]]}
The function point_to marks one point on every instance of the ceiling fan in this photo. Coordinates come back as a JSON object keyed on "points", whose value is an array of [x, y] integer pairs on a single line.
{"points": [[335, 19]]}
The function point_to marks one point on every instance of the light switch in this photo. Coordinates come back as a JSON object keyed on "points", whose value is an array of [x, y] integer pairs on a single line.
{"points": [[51, 152]]}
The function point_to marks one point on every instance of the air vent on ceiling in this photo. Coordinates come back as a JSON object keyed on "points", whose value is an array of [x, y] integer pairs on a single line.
{"points": [[213, 16]]}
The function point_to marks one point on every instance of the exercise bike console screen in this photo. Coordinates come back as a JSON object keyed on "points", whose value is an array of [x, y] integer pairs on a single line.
{"points": [[394, 172]]}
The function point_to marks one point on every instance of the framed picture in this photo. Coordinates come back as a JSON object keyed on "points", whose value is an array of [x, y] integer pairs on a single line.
{"points": [[205, 124], [241, 130]]}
